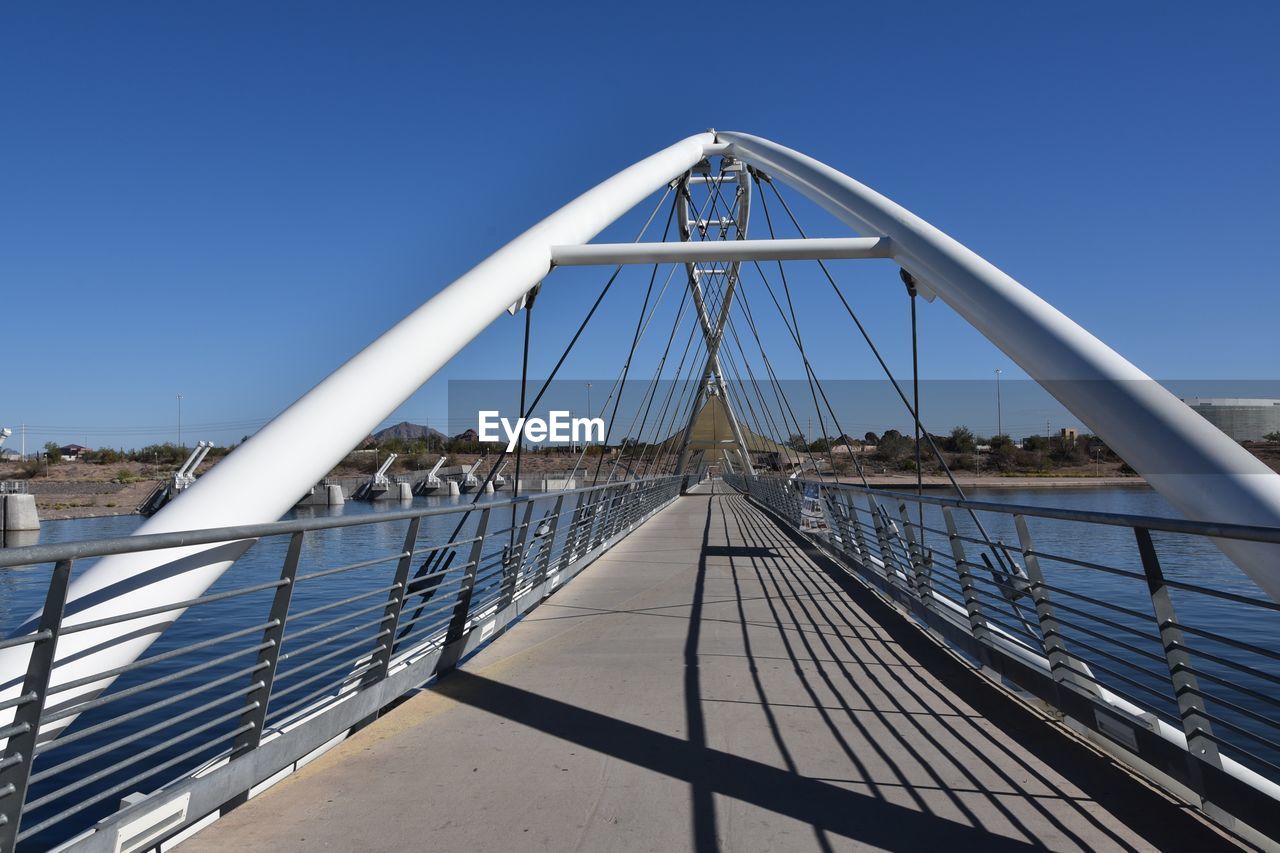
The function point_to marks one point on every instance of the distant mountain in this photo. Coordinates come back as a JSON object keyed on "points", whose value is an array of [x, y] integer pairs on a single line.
{"points": [[408, 432]]}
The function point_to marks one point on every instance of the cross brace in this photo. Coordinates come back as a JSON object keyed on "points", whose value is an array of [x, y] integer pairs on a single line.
{"points": [[812, 249]]}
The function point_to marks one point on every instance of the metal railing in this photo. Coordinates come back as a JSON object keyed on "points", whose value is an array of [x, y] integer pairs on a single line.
{"points": [[289, 663], [1106, 617]]}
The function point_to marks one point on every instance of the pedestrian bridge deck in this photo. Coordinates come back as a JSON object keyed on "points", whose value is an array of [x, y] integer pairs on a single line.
{"points": [[707, 683]]}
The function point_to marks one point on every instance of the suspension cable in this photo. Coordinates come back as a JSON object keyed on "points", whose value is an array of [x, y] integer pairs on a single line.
{"points": [[1004, 560], [795, 327], [654, 386], [910, 282], [784, 404], [441, 557], [524, 384]]}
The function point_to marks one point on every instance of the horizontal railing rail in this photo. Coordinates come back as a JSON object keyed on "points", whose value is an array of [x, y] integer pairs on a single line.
{"points": [[288, 653], [36, 554], [1104, 616]]}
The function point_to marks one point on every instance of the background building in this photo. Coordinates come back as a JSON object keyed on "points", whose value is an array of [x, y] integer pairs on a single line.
{"points": [[1241, 418]]}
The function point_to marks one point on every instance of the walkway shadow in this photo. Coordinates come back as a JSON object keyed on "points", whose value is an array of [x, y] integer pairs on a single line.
{"points": [[862, 818], [1147, 812]]}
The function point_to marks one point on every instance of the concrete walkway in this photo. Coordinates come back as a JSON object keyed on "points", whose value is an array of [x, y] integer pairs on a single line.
{"points": [[706, 685]]}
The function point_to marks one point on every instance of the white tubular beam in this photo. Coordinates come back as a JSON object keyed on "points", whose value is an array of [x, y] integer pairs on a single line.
{"points": [[189, 466], [266, 475], [382, 469], [1197, 468], [208, 445], [818, 248]]}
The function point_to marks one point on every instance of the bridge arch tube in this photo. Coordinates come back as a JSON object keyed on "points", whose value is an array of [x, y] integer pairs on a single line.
{"points": [[1193, 465], [266, 475]]}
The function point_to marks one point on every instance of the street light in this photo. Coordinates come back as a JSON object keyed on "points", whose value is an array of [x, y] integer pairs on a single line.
{"points": [[999, 416]]}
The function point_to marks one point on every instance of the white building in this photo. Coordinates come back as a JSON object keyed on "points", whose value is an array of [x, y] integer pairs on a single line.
{"points": [[1241, 418]]}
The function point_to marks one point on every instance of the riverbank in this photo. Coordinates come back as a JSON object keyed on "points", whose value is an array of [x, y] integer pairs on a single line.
{"points": [[906, 481], [62, 499], [85, 490]]}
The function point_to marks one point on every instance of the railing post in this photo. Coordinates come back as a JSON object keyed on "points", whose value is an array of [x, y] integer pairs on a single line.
{"points": [[888, 559], [461, 610], [395, 604], [627, 502], [604, 529], [840, 522], [972, 605], [574, 537], [915, 550], [640, 499], [859, 536], [591, 521], [549, 543], [19, 753], [569, 552], [515, 560], [613, 505], [264, 675], [1186, 688], [1050, 631], [631, 502]]}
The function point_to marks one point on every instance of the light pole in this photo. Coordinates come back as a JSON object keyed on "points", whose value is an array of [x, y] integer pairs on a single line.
{"points": [[999, 415], [179, 420], [588, 410]]}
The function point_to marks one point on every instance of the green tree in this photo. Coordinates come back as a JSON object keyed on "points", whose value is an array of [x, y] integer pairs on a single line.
{"points": [[894, 446], [961, 440], [1272, 436], [104, 456], [52, 453]]}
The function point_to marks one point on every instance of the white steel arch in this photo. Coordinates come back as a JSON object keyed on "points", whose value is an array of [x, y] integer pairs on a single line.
{"points": [[1197, 468], [267, 474], [1190, 462]]}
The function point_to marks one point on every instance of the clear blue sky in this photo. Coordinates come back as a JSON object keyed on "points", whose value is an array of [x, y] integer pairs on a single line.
{"points": [[228, 200]]}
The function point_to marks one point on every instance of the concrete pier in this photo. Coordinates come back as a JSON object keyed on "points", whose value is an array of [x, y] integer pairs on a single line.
{"points": [[19, 513], [324, 495]]}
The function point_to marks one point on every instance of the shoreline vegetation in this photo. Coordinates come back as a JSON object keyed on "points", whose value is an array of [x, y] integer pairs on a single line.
{"points": [[111, 482]]}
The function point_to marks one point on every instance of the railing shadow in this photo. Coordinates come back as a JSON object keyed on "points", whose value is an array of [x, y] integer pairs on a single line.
{"points": [[906, 671]]}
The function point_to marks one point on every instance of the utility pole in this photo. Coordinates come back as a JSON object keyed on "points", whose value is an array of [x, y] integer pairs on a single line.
{"points": [[179, 420]]}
